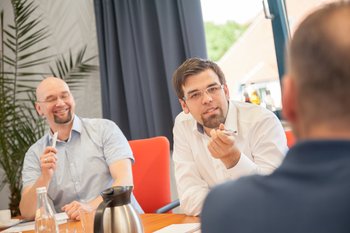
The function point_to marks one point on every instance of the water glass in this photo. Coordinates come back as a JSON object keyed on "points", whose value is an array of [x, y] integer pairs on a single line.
{"points": [[87, 214]]}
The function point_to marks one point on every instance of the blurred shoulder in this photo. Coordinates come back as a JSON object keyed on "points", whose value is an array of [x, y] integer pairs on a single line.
{"points": [[237, 192], [236, 200]]}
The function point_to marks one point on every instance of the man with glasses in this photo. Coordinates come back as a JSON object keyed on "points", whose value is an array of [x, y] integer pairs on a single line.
{"points": [[310, 191], [90, 155], [220, 139]]}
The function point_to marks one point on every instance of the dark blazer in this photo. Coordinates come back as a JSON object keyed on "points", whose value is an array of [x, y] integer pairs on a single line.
{"points": [[309, 192]]}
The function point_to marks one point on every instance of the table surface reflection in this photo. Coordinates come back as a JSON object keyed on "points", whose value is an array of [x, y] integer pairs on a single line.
{"points": [[151, 222]]}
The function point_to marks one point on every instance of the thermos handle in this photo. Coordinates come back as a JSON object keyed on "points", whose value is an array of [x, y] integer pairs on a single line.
{"points": [[98, 221]]}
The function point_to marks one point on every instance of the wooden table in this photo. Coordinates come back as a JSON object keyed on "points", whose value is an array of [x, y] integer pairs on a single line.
{"points": [[151, 222]]}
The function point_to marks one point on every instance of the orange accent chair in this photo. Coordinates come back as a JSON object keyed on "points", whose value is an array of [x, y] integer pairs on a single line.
{"points": [[151, 173], [290, 138]]}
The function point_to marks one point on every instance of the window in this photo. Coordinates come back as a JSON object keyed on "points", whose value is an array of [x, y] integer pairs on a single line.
{"points": [[249, 64]]}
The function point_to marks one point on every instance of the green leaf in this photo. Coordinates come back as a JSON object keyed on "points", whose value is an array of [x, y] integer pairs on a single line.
{"points": [[220, 37]]}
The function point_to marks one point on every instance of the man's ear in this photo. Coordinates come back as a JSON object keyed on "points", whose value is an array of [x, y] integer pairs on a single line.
{"points": [[289, 99], [227, 93], [38, 109], [184, 106]]}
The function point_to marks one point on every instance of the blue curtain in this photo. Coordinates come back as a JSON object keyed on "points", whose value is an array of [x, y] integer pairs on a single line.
{"points": [[141, 43], [281, 33]]}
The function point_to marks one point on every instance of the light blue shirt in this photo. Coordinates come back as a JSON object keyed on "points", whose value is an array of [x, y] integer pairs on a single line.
{"points": [[82, 170]]}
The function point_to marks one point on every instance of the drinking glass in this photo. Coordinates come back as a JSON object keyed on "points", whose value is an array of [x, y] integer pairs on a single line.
{"points": [[87, 214]]}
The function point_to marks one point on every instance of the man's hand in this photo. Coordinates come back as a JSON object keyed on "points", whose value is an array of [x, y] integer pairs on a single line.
{"points": [[48, 162], [72, 209], [222, 146]]}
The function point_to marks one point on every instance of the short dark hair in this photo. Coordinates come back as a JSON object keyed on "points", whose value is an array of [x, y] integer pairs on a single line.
{"points": [[319, 59], [193, 66]]}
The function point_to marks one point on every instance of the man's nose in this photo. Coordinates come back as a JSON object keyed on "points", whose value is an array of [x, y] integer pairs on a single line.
{"points": [[206, 97], [59, 101]]}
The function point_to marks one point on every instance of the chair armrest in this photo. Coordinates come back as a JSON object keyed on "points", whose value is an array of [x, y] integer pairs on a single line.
{"points": [[168, 207]]}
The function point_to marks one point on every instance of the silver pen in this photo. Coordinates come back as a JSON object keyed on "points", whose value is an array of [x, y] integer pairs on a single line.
{"points": [[54, 139], [229, 132]]}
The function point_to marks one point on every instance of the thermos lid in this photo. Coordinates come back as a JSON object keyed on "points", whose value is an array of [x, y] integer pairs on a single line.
{"points": [[117, 195]]}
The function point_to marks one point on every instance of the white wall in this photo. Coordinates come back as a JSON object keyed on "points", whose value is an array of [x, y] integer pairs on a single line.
{"points": [[4, 195], [73, 25]]}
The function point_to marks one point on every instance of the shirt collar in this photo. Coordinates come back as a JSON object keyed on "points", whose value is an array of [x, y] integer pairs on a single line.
{"points": [[312, 151], [77, 124], [231, 121], [77, 127]]}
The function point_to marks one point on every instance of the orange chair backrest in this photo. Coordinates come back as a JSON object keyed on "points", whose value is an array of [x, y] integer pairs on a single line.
{"points": [[290, 138], [151, 172]]}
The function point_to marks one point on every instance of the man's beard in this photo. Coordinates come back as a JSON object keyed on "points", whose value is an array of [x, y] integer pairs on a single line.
{"points": [[214, 121], [63, 120]]}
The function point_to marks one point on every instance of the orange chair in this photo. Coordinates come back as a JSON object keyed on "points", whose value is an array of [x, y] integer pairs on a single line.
{"points": [[151, 173], [290, 138]]}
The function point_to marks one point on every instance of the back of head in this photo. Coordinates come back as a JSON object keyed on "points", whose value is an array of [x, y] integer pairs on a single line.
{"points": [[194, 66], [319, 59]]}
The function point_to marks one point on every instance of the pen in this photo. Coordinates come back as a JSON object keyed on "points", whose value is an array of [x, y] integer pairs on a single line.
{"points": [[54, 139], [229, 132]]}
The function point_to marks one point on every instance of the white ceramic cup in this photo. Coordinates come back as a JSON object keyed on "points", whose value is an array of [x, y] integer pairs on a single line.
{"points": [[5, 216]]}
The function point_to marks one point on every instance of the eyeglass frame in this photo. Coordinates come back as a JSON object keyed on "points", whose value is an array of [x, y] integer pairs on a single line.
{"points": [[63, 96], [216, 85]]}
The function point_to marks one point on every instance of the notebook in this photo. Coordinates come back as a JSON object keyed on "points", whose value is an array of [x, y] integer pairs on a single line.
{"points": [[181, 228]]}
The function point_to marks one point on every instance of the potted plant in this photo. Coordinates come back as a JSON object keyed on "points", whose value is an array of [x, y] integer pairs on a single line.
{"points": [[22, 51]]}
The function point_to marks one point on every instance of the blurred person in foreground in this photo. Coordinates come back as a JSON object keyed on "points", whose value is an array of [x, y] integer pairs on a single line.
{"points": [[216, 139], [90, 155], [310, 191]]}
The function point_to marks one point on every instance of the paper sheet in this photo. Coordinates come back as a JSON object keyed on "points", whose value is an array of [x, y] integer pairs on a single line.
{"points": [[181, 228], [27, 226]]}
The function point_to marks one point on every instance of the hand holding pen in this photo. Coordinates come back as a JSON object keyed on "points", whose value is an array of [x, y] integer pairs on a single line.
{"points": [[222, 146], [48, 158]]}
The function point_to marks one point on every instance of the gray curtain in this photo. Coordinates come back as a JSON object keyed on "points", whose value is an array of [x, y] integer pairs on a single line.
{"points": [[141, 43]]}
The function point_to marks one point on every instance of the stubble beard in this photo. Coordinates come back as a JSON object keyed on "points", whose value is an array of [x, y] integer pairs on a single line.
{"points": [[214, 121], [63, 120]]}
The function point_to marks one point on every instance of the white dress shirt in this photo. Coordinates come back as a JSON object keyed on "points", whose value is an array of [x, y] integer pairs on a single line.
{"points": [[258, 134]]}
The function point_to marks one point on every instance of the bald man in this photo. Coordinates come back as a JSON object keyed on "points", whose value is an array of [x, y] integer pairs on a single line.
{"points": [[90, 155], [310, 191]]}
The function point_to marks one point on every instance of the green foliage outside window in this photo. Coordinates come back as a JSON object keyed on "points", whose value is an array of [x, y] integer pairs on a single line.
{"points": [[220, 37]]}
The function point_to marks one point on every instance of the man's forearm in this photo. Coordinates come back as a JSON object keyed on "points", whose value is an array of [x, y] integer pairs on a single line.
{"points": [[27, 205], [119, 182], [192, 203]]}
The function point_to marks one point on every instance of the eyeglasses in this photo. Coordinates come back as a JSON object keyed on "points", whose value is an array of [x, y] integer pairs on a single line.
{"points": [[53, 99], [198, 95]]}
